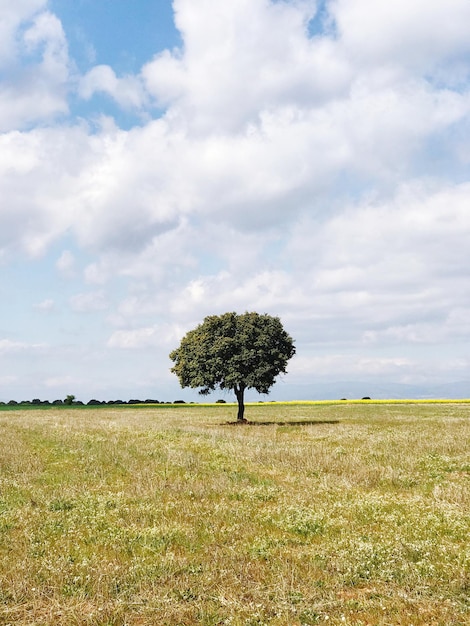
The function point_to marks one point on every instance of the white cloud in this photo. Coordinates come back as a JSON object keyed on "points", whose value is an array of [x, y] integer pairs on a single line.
{"points": [[265, 156], [7, 380], [234, 64], [45, 305], [13, 15], [399, 240], [63, 382], [88, 302], [35, 86], [355, 365], [66, 263], [40, 182], [417, 35], [8, 346], [451, 326], [164, 335], [133, 339], [127, 91]]}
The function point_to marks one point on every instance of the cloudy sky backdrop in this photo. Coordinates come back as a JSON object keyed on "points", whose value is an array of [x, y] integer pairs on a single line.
{"points": [[160, 162]]}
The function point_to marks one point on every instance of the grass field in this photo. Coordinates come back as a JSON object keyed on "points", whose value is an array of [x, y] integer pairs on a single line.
{"points": [[317, 514]]}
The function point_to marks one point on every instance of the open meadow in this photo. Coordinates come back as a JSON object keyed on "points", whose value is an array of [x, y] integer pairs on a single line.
{"points": [[333, 513]]}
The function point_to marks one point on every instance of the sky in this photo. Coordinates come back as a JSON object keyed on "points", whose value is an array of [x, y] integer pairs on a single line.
{"points": [[163, 161]]}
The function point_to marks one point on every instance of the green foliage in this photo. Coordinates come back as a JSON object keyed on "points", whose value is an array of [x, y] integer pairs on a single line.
{"points": [[234, 352], [69, 400]]}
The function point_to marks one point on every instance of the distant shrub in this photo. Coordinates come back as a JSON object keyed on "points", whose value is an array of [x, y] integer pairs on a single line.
{"points": [[366, 398], [148, 401], [93, 402], [220, 401], [179, 402]]}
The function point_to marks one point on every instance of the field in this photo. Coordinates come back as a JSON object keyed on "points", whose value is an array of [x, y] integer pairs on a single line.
{"points": [[315, 514]]}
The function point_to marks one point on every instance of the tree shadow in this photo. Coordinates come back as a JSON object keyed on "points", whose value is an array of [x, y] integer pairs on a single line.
{"points": [[273, 423]]}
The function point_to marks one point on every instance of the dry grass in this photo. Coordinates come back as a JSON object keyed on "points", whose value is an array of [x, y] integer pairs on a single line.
{"points": [[317, 514]]}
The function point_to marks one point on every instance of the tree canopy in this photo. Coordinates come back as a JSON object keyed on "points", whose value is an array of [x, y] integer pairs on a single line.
{"points": [[235, 352]]}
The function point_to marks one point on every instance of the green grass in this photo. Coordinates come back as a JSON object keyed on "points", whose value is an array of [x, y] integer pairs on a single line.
{"points": [[197, 405], [325, 513]]}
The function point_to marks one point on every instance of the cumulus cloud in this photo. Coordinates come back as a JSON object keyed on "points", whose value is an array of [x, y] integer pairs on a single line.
{"points": [[163, 335], [353, 365], [63, 382], [45, 305], [13, 15], [127, 91], [267, 137], [138, 338], [88, 302], [35, 83], [7, 381], [39, 178], [388, 261], [9, 346], [419, 36], [234, 64], [66, 263]]}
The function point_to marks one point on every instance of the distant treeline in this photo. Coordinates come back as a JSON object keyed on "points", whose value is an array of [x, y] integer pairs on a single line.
{"points": [[93, 402]]}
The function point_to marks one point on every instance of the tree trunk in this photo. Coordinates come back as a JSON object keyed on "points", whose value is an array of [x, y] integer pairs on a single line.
{"points": [[239, 392]]}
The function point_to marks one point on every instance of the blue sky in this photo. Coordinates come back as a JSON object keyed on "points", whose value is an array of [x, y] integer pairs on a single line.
{"points": [[160, 162], [123, 35], [116, 32]]}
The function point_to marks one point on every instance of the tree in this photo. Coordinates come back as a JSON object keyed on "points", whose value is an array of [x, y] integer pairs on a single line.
{"points": [[234, 352], [69, 399]]}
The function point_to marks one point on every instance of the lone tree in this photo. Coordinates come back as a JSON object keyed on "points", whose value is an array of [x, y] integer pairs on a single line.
{"points": [[235, 352]]}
